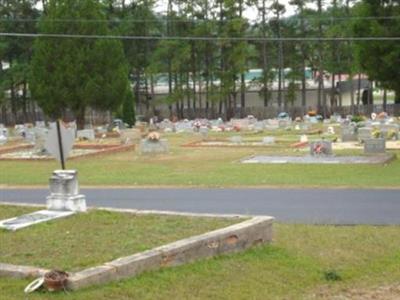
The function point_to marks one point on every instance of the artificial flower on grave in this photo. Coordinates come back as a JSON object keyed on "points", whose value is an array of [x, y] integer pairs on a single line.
{"points": [[153, 136]]}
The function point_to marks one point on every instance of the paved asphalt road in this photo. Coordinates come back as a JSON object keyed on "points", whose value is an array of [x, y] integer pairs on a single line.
{"points": [[287, 205]]}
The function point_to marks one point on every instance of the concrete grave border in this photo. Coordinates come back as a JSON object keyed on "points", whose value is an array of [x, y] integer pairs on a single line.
{"points": [[234, 238], [366, 159], [101, 150], [228, 144]]}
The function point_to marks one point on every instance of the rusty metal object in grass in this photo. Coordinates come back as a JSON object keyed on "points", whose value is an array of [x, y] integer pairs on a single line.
{"points": [[55, 280]]}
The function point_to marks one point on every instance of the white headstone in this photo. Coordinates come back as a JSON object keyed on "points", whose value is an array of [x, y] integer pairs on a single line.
{"points": [[303, 139], [52, 144], [3, 139], [268, 140], [87, 134]]}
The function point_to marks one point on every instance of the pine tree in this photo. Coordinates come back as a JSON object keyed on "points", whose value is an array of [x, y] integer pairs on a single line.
{"points": [[128, 109], [379, 59], [76, 73]]}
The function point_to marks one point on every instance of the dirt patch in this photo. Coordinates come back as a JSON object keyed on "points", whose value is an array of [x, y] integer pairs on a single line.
{"points": [[388, 292]]}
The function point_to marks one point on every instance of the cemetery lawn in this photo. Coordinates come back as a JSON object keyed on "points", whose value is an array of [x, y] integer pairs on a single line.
{"points": [[303, 262], [84, 240], [208, 167]]}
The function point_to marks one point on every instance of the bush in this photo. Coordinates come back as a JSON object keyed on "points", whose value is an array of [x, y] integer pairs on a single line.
{"points": [[128, 110], [357, 119]]}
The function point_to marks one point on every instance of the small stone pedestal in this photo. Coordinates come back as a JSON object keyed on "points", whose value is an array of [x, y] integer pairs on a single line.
{"points": [[64, 192]]}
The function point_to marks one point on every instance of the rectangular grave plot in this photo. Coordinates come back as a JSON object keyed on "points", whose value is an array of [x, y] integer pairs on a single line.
{"points": [[372, 146]]}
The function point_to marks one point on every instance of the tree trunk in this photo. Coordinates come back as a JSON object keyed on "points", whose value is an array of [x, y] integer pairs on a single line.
{"points": [[194, 80], [397, 97], [333, 92], [152, 94], [188, 104], [80, 118], [169, 11], [396, 110], [384, 99], [303, 81], [146, 85], [25, 102], [320, 60], [264, 54], [340, 90], [137, 89], [242, 95], [351, 94], [358, 90]]}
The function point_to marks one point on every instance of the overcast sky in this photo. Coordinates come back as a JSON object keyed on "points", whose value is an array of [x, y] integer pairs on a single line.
{"points": [[250, 13]]}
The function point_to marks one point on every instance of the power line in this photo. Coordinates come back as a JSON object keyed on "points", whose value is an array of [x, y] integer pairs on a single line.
{"points": [[166, 19], [197, 38]]}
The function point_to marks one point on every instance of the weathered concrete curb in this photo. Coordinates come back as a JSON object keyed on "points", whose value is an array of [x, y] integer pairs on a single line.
{"points": [[8, 270], [173, 213], [101, 150], [143, 212], [234, 238]]}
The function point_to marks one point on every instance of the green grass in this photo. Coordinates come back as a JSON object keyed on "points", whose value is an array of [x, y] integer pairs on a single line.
{"points": [[84, 240], [206, 167], [293, 267]]}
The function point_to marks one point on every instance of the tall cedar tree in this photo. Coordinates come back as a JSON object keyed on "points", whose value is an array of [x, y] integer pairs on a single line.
{"points": [[76, 73], [379, 59]]}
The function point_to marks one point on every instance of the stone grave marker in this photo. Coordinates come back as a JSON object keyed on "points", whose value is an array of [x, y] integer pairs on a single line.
{"points": [[29, 136], [184, 126], [305, 127], [268, 140], [52, 143], [4, 131], [259, 126], [41, 134], [40, 124], [166, 125], [348, 134], [204, 132], [3, 138], [320, 148], [364, 133], [33, 218], [86, 134], [373, 146], [237, 139], [272, 124], [390, 131], [130, 136], [153, 144], [64, 192], [284, 123]]}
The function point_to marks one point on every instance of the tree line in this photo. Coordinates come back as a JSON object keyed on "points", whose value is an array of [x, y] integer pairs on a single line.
{"points": [[61, 74]]}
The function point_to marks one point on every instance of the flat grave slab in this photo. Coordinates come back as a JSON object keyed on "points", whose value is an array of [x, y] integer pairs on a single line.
{"points": [[33, 218], [270, 159], [27, 152]]}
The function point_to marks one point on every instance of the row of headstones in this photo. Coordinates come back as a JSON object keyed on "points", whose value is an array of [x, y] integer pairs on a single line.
{"points": [[37, 135], [247, 124], [386, 131], [371, 146]]}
